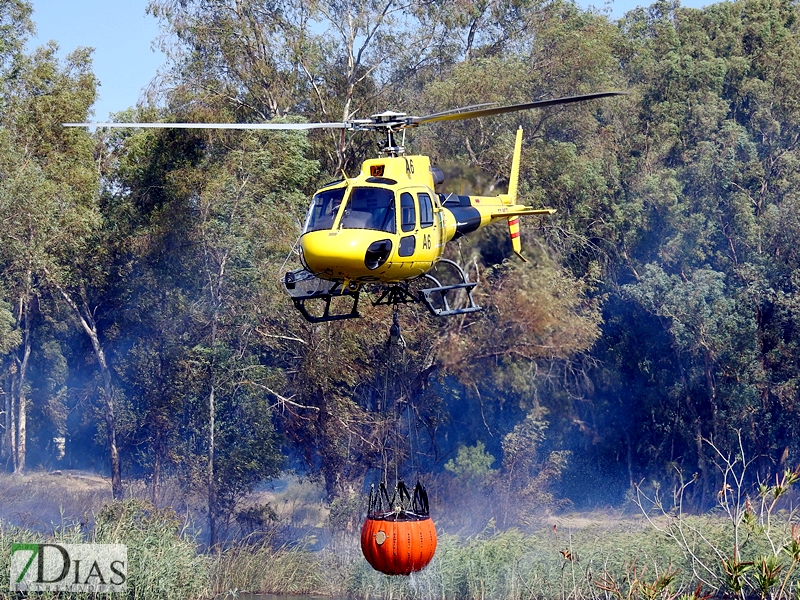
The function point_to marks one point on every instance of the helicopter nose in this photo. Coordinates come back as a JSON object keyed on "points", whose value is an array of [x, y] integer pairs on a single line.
{"points": [[345, 254]]}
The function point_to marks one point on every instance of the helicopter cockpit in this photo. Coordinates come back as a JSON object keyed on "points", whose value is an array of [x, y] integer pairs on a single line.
{"points": [[366, 208], [323, 210], [370, 208]]}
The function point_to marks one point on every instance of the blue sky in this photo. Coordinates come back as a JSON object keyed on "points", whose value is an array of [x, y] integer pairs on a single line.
{"points": [[122, 35]]}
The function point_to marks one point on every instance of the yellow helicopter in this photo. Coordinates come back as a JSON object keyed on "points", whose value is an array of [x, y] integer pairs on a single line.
{"points": [[387, 228]]}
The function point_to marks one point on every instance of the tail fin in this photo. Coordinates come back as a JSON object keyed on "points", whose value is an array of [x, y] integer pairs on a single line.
{"points": [[513, 182], [513, 231]]}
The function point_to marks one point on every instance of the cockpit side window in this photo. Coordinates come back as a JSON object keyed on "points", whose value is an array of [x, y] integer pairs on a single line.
{"points": [[408, 210], [370, 208], [425, 211], [324, 207]]}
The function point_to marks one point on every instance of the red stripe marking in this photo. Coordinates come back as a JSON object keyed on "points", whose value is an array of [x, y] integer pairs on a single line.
{"points": [[515, 235]]}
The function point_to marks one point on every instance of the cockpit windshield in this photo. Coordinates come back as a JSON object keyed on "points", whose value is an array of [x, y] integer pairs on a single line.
{"points": [[370, 208], [323, 209]]}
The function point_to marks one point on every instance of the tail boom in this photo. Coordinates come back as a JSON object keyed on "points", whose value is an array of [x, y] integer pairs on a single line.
{"points": [[469, 213]]}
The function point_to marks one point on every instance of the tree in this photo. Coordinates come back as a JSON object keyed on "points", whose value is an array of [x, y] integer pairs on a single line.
{"points": [[214, 216], [528, 475], [326, 61], [46, 202], [359, 398], [712, 337], [15, 27], [702, 295], [472, 464]]}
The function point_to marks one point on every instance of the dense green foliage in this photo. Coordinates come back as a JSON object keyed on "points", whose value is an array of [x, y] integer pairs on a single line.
{"points": [[142, 324]]}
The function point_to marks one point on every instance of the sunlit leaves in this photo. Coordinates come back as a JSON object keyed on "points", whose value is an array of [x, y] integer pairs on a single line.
{"points": [[15, 27]]}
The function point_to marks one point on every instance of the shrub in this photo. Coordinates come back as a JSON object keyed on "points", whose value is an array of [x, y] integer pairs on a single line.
{"points": [[162, 559]]}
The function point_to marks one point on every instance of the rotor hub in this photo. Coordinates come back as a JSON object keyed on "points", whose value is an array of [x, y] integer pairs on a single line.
{"points": [[389, 117]]}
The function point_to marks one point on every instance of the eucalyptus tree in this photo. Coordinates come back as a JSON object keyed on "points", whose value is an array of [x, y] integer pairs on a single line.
{"points": [[478, 28], [364, 403], [529, 353], [16, 26], [710, 170], [212, 216], [48, 198], [245, 209], [326, 60]]}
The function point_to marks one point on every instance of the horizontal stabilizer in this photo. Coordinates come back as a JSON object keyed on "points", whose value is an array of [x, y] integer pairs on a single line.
{"points": [[523, 211]]}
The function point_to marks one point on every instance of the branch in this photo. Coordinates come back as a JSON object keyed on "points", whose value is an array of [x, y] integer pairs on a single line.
{"points": [[281, 399], [290, 338]]}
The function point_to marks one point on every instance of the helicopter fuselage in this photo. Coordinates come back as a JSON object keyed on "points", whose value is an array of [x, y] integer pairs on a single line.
{"points": [[389, 225]]}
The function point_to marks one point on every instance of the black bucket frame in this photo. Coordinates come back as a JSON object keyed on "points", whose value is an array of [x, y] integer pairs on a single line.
{"points": [[402, 505]]}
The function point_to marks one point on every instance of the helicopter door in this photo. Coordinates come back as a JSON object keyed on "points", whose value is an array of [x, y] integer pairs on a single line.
{"points": [[408, 223], [429, 233]]}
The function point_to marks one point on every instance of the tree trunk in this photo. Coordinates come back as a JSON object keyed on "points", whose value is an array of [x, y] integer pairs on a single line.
{"points": [[216, 277], [19, 403], [5, 442], [21, 433], [212, 485], [87, 321], [629, 460], [11, 416], [111, 424], [156, 491]]}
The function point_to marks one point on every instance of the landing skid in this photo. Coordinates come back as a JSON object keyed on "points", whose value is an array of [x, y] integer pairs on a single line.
{"points": [[439, 299], [308, 291], [320, 300]]}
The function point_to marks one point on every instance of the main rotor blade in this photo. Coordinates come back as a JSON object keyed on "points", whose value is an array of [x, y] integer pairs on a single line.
{"points": [[487, 112], [461, 110], [213, 125], [402, 121]]}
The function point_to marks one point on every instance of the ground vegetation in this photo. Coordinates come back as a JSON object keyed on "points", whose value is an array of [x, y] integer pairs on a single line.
{"points": [[144, 333]]}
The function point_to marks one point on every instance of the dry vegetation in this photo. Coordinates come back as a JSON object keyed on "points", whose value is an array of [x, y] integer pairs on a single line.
{"points": [[290, 541], [43, 500]]}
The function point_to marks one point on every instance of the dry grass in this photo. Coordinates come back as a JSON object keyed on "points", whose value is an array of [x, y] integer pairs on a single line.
{"points": [[560, 556], [40, 501]]}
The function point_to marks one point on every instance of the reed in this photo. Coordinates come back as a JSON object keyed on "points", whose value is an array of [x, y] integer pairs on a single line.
{"points": [[263, 569], [163, 561], [608, 558], [163, 558], [66, 533], [744, 549], [549, 563]]}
